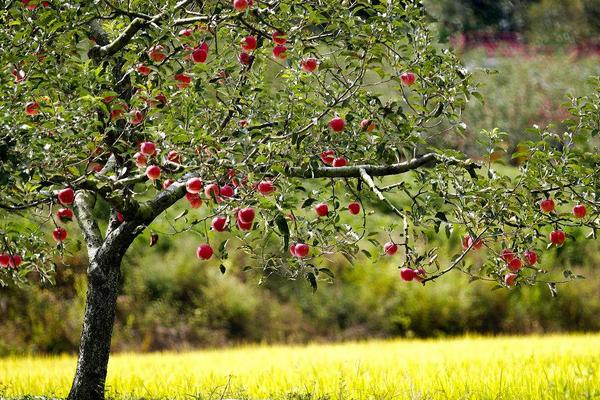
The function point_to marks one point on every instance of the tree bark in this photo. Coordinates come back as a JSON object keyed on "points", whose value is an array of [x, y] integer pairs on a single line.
{"points": [[94, 349]]}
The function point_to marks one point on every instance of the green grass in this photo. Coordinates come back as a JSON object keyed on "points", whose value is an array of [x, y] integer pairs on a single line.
{"points": [[549, 367]]}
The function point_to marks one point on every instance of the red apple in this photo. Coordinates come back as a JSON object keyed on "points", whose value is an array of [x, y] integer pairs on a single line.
{"points": [[244, 226], [547, 205], [265, 187], [515, 265], [390, 248], [327, 157], [194, 200], [140, 160], [153, 172], [212, 190], [4, 260], [148, 148], [248, 43], [137, 117], [183, 80], [65, 214], [579, 211], [173, 157], [200, 55], [322, 209], [187, 32], [245, 58], [218, 223], [15, 261], [280, 52], [120, 217], [66, 196], [18, 74], [309, 64], [407, 274], [354, 208], [144, 69], [279, 37], [59, 234], [32, 108], [510, 279], [157, 53], [507, 255], [301, 250], [246, 215], [293, 249], [408, 78], [193, 185], [337, 124], [167, 183], [530, 256], [420, 274], [467, 241], [339, 162], [557, 237], [227, 191], [204, 251], [240, 5]]}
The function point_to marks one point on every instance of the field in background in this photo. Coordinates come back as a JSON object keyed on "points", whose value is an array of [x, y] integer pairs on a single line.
{"points": [[550, 367]]}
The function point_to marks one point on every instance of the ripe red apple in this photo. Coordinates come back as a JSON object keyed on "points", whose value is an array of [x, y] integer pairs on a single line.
{"points": [[244, 226], [265, 187], [194, 200], [204, 251], [337, 124], [367, 125], [18, 74], [557, 237], [390, 248], [468, 240], [183, 80], [4, 260], [137, 117], [173, 157], [280, 52], [510, 279], [240, 5], [15, 261], [420, 274], [65, 214], [245, 58], [218, 223], [293, 249], [193, 185], [547, 205], [32, 108], [507, 255], [66, 196], [148, 148], [167, 183], [279, 37], [153, 172], [59, 234], [144, 69], [515, 265], [187, 32], [140, 160], [354, 208], [157, 53], [322, 209], [212, 190], [227, 191], [339, 162], [120, 217], [579, 211], [530, 256], [309, 64], [200, 54], [407, 274], [408, 78], [327, 157], [248, 43], [246, 215], [301, 250]]}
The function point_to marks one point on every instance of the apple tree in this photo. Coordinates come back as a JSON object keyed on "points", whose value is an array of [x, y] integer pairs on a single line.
{"points": [[260, 126]]}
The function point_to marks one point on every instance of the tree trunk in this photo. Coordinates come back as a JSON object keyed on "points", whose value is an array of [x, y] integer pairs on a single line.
{"points": [[103, 287]]}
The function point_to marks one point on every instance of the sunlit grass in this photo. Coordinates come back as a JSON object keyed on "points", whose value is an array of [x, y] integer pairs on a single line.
{"points": [[552, 367]]}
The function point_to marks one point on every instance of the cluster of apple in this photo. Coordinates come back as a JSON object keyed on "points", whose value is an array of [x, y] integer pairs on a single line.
{"points": [[33, 5], [407, 274]]}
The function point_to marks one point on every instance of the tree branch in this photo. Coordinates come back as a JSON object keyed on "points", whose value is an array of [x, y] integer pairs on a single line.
{"points": [[83, 207], [354, 171]]}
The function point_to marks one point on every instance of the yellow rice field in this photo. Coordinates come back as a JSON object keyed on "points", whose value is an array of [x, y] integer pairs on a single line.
{"points": [[548, 367]]}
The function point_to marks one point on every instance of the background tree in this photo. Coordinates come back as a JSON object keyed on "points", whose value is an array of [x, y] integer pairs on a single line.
{"points": [[120, 110]]}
